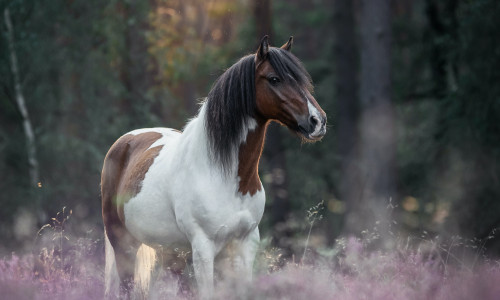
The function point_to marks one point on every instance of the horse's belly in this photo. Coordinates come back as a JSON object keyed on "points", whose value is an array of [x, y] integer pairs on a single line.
{"points": [[151, 221]]}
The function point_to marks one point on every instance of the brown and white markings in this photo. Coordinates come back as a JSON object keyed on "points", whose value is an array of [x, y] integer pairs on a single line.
{"points": [[199, 191]]}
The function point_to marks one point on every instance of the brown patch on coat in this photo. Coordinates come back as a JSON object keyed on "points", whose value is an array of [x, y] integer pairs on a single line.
{"points": [[248, 160], [125, 167]]}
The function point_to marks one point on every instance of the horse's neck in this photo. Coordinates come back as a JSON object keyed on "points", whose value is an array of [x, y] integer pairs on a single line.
{"points": [[246, 156], [248, 159], [193, 145]]}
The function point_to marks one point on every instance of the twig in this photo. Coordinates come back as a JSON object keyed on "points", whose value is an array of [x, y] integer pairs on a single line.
{"points": [[313, 214]]}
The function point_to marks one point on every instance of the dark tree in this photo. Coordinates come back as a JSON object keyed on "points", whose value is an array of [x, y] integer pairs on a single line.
{"points": [[345, 57], [377, 133]]}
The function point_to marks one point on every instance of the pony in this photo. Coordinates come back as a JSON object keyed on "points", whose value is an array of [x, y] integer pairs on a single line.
{"points": [[198, 191]]}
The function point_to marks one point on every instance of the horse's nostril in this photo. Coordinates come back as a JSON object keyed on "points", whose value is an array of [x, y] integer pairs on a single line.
{"points": [[313, 120], [323, 121]]}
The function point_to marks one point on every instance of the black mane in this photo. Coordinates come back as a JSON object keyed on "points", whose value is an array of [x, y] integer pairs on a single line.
{"points": [[231, 101], [229, 104]]}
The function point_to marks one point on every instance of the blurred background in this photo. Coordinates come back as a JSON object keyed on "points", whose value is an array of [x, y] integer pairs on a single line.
{"points": [[411, 89]]}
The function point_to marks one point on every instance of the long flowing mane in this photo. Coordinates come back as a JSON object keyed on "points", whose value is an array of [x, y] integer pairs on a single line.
{"points": [[231, 101]]}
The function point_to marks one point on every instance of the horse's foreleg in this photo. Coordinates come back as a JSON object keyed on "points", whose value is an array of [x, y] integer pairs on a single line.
{"points": [[244, 257], [250, 246], [203, 264]]}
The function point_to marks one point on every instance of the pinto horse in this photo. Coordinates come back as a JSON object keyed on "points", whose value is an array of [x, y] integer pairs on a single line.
{"points": [[200, 190]]}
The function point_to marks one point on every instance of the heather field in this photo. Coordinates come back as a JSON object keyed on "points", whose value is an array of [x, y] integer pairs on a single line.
{"points": [[382, 184], [414, 269]]}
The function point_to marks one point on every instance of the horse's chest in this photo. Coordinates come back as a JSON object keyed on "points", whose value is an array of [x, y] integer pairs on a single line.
{"points": [[237, 225], [221, 216]]}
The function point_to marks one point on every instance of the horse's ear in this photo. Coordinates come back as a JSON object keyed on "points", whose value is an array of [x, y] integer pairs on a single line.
{"points": [[263, 50], [288, 45]]}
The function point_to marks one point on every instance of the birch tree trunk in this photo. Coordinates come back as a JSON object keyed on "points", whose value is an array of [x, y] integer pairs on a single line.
{"points": [[28, 129]]}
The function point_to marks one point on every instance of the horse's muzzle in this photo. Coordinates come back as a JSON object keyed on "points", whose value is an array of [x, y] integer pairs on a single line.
{"points": [[313, 129]]}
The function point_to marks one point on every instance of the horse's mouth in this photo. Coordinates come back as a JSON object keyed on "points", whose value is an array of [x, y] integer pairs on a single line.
{"points": [[310, 136]]}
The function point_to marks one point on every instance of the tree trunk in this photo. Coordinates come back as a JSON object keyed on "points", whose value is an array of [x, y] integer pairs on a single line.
{"points": [[345, 56], [28, 129], [134, 74], [263, 19], [377, 132]]}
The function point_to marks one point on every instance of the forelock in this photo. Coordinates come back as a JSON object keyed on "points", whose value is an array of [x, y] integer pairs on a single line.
{"points": [[289, 68]]}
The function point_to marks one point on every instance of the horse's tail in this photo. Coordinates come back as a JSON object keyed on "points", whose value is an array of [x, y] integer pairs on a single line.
{"points": [[145, 265], [111, 279]]}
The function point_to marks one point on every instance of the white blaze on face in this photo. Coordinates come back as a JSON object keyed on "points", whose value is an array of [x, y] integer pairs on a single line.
{"points": [[314, 113]]}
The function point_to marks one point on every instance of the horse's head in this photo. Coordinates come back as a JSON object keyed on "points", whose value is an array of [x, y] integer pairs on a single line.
{"points": [[283, 92]]}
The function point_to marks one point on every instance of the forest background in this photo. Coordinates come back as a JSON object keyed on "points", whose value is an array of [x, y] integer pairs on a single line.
{"points": [[411, 89]]}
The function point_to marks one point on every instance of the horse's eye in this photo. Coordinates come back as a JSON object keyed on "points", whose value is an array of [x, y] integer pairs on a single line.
{"points": [[274, 80]]}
